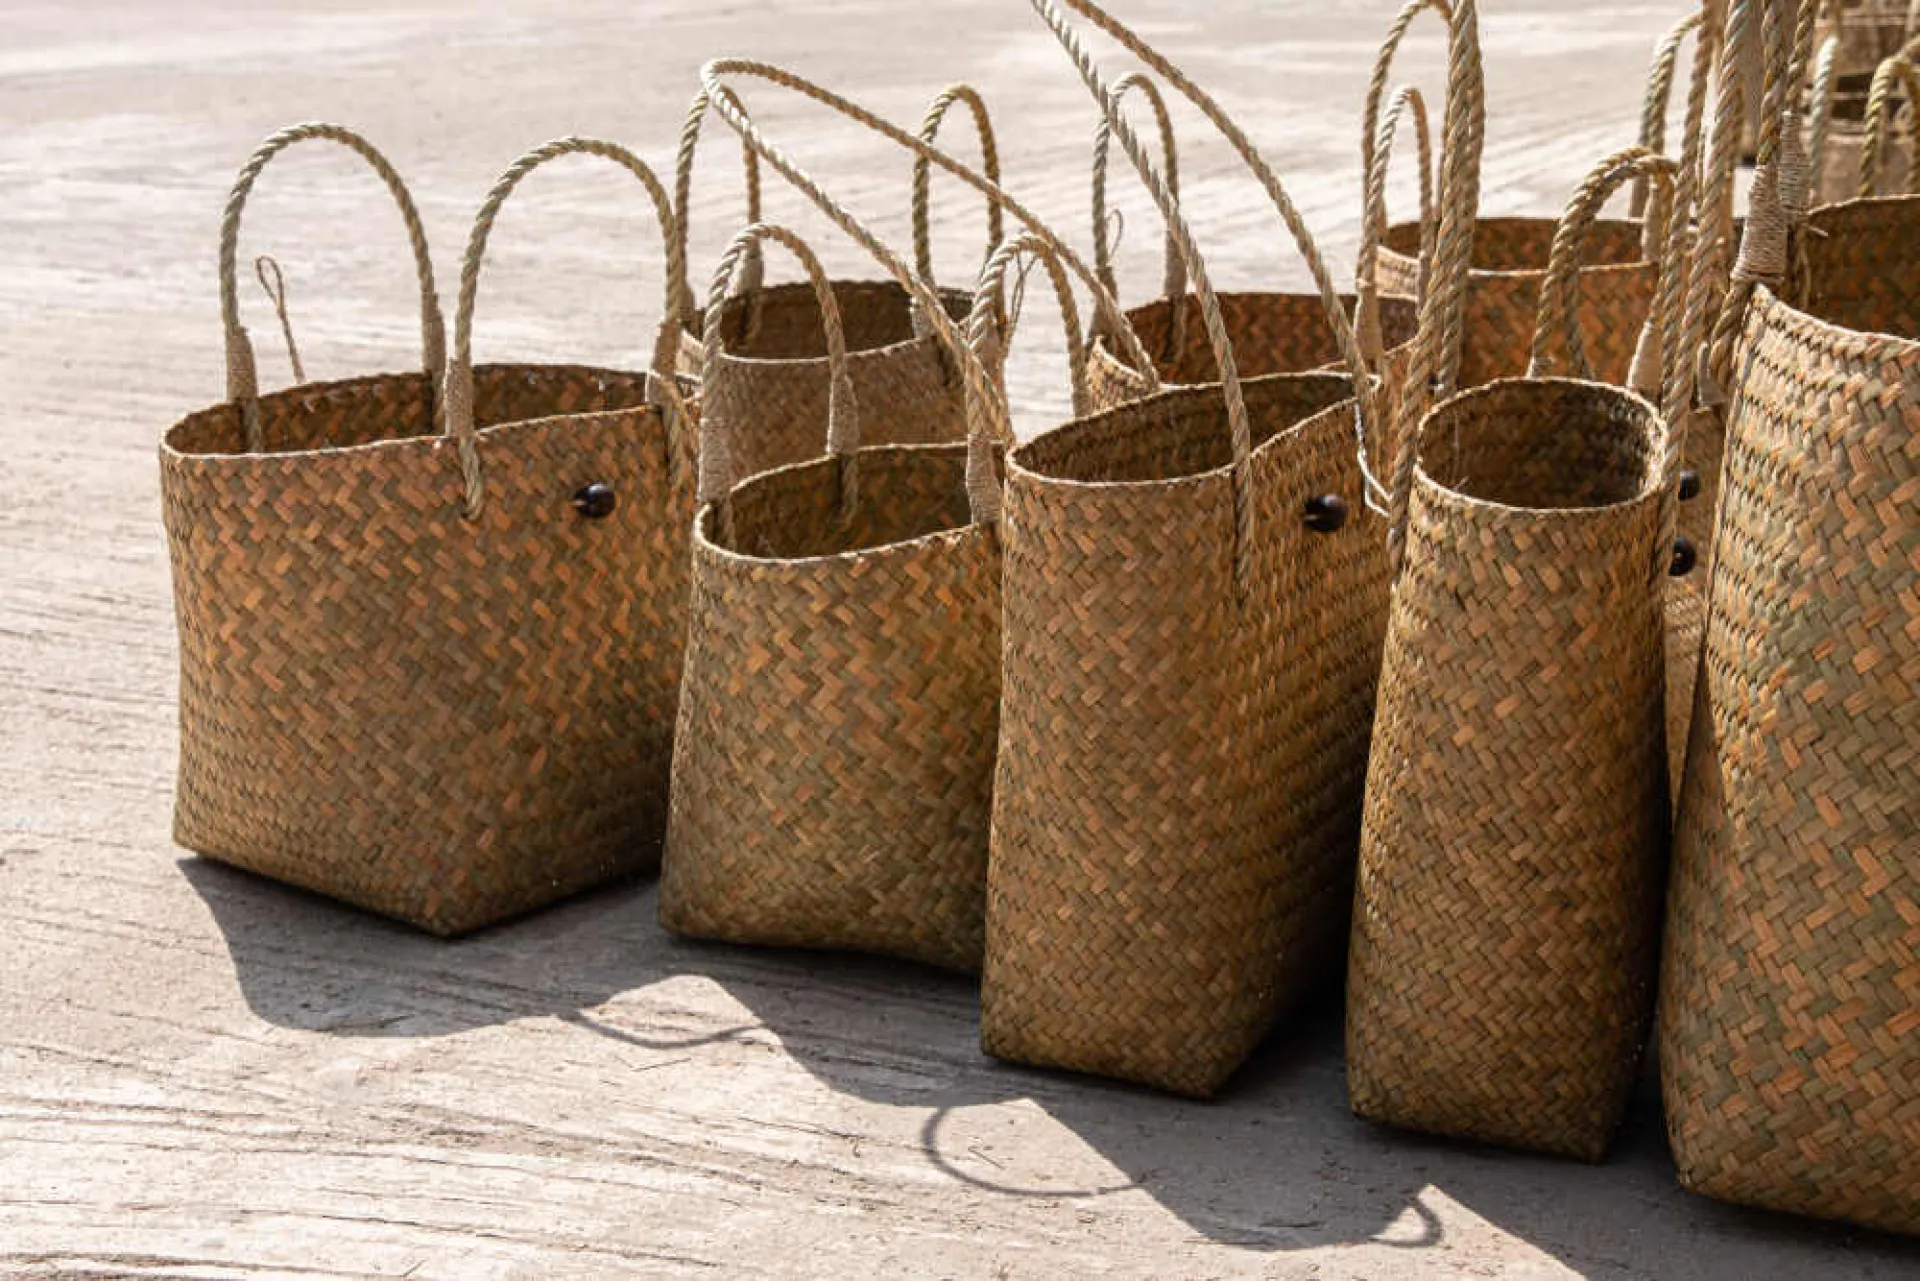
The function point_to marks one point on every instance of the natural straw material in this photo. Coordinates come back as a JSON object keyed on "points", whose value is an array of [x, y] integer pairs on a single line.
{"points": [[1513, 850], [768, 375], [427, 672], [1789, 1041], [1194, 596]]}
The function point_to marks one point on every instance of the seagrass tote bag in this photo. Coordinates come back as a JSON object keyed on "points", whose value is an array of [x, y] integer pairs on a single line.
{"points": [[1789, 1037], [770, 370], [1272, 332], [429, 652], [1194, 596], [1513, 850]]}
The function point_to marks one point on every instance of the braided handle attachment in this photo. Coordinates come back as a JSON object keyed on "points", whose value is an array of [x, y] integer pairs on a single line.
{"points": [[923, 173], [1373, 219], [1899, 67], [1173, 279], [752, 270], [843, 425], [243, 384], [983, 322], [459, 380]]}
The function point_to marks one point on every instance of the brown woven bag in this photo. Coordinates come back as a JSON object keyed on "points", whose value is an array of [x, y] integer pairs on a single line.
{"points": [[1789, 1028], [770, 370], [1272, 333], [429, 672], [1513, 853], [1194, 598]]}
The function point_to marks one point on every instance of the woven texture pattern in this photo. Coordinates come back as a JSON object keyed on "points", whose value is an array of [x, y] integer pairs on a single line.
{"points": [[1177, 797], [442, 720], [1512, 859], [1790, 1025], [1503, 293]]}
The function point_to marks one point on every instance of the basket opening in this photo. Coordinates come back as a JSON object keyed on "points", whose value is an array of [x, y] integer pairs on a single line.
{"points": [[1544, 444], [874, 314], [903, 492], [1271, 334], [1177, 433], [1525, 244]]}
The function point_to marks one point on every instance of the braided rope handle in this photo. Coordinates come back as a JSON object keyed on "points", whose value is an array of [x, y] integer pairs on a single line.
{"points": [[1899, 67], [1373, 219], [1820, 103], [843, 422], [752, 270], [1173, 278], [273, 283], [923, 173], [1653, 108], [983, 321], [983, 483], [243, 383], [459, 379], [1377, 92]]}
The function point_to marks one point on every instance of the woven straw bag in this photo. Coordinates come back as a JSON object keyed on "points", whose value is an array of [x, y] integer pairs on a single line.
{"points": [[429, 672], [1194, 598], [837, 739], [769, 372], [1787, 1028], [1510, 261], [1512, 858], [1273, 332]]}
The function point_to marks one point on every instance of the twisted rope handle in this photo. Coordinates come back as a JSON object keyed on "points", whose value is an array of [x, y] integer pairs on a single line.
{"points": [[1173, 279], [923, 173], [243, 383], [983, 484], [843, 423], [1373, 220], [1879, 104], [1377, 92], [1820, 119], [459, 381], [983, 320], [752, 269], [1653, 108], [273, 282]]}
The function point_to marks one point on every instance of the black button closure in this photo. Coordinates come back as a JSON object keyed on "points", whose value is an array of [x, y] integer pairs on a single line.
{"points": [[1325, 513], [1689, 484], [594, 501], [1684, 557]]}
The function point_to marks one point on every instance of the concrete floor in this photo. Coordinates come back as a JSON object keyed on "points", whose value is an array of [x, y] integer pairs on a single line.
{"points": [[203, 1074]]}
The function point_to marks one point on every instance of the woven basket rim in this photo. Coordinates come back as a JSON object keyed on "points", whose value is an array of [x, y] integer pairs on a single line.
{"points": [[705, 545], [1017, 468], [1410, 231], [352, 386], [1650, 486], [956, 299]]}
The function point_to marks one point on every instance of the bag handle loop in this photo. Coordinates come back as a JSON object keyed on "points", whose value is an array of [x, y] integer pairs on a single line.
{"points": [[923, 173], [1899, 67], [752, 270], [1173, 274], [1653, 107], [984, 320], [1373, 221], [459, 380], [243, 384]]}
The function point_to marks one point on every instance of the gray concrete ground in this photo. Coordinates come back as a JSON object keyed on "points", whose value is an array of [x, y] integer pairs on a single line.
{"points": [[204, 1074]]}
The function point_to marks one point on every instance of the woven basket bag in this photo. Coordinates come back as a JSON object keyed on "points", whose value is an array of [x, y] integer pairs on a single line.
{"points": [[1513, 853], [1789, 1025], [1272, 332], [427, 668], [1194, 599], [770, 370], [1510, 261], [837, 739]]}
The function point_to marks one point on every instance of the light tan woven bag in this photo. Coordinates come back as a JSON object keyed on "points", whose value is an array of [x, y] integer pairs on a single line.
{"points": [[1513, 854], [430, 667], [769, 370], [1789, 1034], [1194, 597]]}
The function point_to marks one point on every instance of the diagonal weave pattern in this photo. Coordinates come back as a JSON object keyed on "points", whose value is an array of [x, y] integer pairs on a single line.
{"points": [[442, 720], [1790, 999], [1513, 854], [1177, 798]]}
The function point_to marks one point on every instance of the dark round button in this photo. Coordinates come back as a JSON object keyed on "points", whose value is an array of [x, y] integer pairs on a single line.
{"points": [[1689, 484], [1684, 557], [594, 501], [1325, 513]]}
